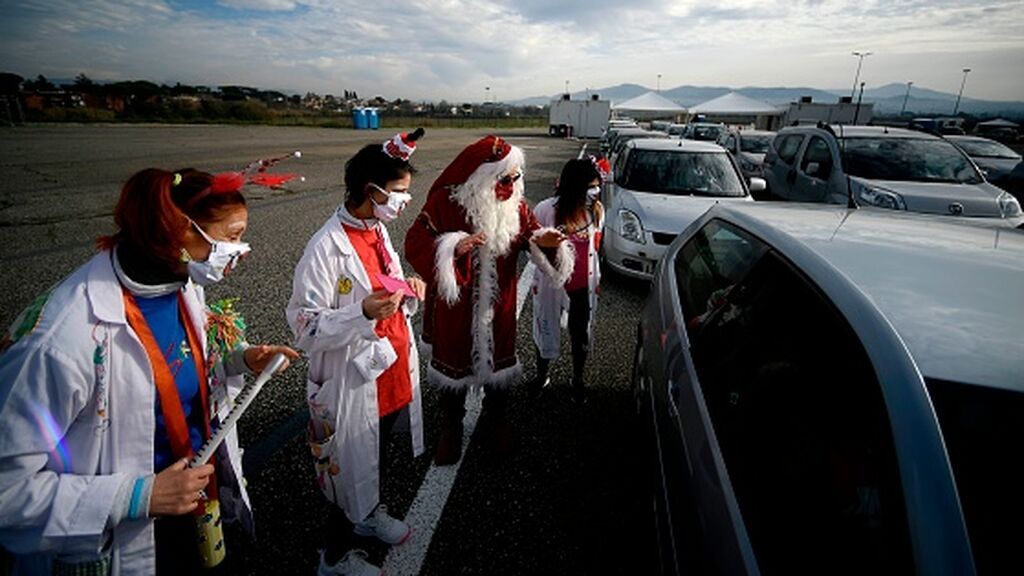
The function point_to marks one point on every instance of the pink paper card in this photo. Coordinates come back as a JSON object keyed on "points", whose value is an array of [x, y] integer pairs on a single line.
{"points": [[393, 285]]}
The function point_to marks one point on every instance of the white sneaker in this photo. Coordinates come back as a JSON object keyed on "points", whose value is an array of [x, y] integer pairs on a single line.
{"points": [[352, 564], [385, 528]]}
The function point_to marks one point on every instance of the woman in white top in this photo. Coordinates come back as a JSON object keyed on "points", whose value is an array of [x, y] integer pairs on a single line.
{"points": [[109, 383], [576, 212]]}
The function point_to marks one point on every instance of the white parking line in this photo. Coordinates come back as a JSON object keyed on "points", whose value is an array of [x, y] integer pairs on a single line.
{"points": [[425, 511]]}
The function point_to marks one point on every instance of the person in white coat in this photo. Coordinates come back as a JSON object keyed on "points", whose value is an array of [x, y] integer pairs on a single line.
{"points": [[350, 309], [576, 211], [109, 382]]}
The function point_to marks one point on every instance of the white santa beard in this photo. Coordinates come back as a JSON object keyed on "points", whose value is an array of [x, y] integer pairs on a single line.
{"points": [[497, 219]]}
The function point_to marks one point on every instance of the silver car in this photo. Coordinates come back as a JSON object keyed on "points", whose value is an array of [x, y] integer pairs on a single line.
{"points": [[882, 167], [748, 147], [658, 188], [833, 391]]}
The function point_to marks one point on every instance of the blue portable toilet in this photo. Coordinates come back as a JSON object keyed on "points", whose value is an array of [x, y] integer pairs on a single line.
{"points": [[360, 120], [373, 119]]}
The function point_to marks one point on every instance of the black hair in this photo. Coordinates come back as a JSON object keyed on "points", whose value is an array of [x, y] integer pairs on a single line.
{"points": [[372, 165], [576, 177]]}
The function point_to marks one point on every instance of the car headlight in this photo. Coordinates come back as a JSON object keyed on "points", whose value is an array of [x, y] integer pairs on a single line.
{"points": [[630, 227], [882, 198], [1009, 207]]}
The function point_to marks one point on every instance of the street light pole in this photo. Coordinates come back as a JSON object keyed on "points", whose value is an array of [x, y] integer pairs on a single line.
{"points": [[861, 56], [956, 107], [487, 94], [856, 112], [905, 96], [566, 86], [659, 83]]}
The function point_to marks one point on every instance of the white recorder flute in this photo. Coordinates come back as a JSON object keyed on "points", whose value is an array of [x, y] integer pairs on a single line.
{"points": [[242, 401]]}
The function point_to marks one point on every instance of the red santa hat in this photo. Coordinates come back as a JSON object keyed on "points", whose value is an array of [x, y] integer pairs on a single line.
{"points": [[402, 146], [485, 150]]}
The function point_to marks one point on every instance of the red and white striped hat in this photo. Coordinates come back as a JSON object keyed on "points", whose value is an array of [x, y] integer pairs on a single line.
{"points": [[402, 146]]}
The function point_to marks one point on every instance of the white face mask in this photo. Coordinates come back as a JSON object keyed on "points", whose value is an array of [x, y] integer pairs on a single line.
{"points": [[389, 210], [223, 255], [593, 192]]}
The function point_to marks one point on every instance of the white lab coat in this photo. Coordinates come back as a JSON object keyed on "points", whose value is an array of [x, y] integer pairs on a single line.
{"points": [[345, 358], [550, 300], [77, 418]]}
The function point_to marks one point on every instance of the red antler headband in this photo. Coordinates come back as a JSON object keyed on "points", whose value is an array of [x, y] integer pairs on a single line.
{"points": [[402, 146], [255, 173]]}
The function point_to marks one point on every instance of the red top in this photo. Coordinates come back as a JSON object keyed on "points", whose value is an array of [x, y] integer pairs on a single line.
{"points": [[394, 385]]}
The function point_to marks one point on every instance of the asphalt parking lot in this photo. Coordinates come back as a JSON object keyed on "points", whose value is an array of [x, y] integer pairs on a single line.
{"points": [[573, 498]]}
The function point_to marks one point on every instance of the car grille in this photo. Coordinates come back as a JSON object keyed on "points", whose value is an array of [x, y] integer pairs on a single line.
{"points": [[663, 238]]}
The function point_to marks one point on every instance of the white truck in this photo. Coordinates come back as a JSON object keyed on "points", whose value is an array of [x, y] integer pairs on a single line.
{"points": [[579, 118]]}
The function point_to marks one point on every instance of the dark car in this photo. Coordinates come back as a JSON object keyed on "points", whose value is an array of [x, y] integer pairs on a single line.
{"points": [[832, 391], [995, 159]]}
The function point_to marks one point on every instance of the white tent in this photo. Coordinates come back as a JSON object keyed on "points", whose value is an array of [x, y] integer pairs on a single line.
{"points": [[649, 105], [737, 109], [735, 104]]}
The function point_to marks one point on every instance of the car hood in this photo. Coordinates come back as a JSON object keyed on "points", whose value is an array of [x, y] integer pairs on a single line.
{"points": [[669, 213], [936, 197]]}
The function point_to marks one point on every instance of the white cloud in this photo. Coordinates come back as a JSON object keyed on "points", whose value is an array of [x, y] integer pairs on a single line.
{"points": [[453, 48], [264, 5]]}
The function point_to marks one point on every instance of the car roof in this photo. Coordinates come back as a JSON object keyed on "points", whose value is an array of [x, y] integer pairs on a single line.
{"points": [[845, 131], [953, 291], [675, 144]]}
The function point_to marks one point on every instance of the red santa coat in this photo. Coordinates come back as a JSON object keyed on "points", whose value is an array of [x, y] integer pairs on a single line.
{"points": [[469, 321]]}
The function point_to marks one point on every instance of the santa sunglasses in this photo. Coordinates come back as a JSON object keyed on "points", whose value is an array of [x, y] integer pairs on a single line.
{"points": [[509, 178]]}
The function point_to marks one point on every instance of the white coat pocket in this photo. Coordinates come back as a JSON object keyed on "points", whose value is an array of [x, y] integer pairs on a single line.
{"points": [[374, 359]]}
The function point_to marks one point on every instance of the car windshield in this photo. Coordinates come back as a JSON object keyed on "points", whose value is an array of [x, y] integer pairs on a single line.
{"points": [[755, 144], [707, 133], [986, 149], [907, 159], [681, 173], [984, 436]]}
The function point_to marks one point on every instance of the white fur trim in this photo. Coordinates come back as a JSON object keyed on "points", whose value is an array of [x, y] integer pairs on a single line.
{"points": [[504, 378], [444, 266], [565, 259], [498, 219]]}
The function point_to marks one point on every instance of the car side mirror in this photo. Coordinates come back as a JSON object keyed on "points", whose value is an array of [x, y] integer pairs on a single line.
{"points": [[758, 185], [812, 169]]}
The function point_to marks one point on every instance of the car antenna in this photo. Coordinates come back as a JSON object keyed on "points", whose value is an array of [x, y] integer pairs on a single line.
{"points": [[851, 201]]}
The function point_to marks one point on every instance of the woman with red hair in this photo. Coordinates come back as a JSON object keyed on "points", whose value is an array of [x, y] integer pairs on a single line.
{"points": [[109, 384]]}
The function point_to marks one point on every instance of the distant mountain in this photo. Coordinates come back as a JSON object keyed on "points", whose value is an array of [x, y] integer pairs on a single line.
{"points": [[888, 99]]}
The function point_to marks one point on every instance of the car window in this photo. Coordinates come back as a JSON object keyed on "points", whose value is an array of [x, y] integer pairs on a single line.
{"points": [[705, 133], [817, 152], [987, 149], [799, 418], [755, 144], [787, 146], [984, 435], [711, 263], [680, 172], [907, 159]]}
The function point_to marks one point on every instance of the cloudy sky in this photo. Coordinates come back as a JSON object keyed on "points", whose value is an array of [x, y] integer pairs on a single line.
{"points": [[454, 49]]}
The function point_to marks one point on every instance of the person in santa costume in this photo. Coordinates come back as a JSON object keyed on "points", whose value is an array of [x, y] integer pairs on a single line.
{"points": [[465, 244], [350, 310]]}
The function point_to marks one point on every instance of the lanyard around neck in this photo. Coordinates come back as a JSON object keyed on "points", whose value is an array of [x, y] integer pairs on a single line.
{"points": [[170, 402]]}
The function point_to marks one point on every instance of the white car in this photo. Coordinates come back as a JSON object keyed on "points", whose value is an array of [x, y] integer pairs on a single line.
{"points": [[658, 188]]}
